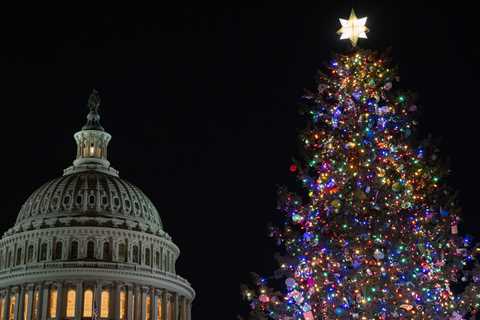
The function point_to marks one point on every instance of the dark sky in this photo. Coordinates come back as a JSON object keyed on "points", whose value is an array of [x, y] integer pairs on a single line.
{"points": [[202, 106]]}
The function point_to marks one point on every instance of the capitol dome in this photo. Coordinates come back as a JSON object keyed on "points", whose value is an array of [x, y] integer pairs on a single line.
{"points": [[89, 245]]}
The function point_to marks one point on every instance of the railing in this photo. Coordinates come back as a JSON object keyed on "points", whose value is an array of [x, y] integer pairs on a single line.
{"points": [[89, 264]]}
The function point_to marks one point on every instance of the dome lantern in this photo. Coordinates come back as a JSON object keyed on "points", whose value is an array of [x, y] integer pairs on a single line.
{"points": [[92, 142]]}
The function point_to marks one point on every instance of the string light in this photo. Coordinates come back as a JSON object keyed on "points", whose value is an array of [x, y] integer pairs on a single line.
{"points": [[375, 236]]}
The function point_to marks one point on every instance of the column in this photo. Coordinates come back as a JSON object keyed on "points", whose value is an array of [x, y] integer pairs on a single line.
{"points": [[7, 304], [154, 304], [44, 301], [59, 313], [17, 303], [137, 302], [79, 300], [175, 306], [130, 303], [143, 303], [189, 310], [96, 296], [116, 301], [165, 296], [31, 292]]}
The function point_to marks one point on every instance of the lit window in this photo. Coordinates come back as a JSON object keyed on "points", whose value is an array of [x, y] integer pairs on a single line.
{"points": [[36, 296], [123, 305], [71, 301], [148, 307], [105, 304], [53, 303], [11, 308], [25, 304], [88, 303], [159, 308]]}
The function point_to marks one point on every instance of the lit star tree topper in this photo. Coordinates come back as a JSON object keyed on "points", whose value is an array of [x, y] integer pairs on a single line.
{"points": [[353, 28]]}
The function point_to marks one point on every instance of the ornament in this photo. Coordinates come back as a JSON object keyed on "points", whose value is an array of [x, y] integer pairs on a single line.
{"points": [[396, 187], [308, 316], [444, 213], [293, 168], [339, 311], [378, 254], [336, 204], [263, 298], [406, 307], [387, 86], [454, 229], [456, 316], [322, 87]]}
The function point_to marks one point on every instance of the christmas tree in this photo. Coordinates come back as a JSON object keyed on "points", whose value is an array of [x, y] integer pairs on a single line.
{"points": [[375, 234]]}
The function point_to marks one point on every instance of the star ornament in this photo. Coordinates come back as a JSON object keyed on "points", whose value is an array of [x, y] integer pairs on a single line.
{"points": [[353, 28]]}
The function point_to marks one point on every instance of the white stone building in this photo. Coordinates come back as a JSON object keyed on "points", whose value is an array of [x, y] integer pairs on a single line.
{"points": [[89, 245]]}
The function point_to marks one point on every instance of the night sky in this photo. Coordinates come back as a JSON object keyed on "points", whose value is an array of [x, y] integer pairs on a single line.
{"points": [[202, 106]]}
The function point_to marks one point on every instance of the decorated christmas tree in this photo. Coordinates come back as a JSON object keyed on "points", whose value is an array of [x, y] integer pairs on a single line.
{"points": [[374, 235]]}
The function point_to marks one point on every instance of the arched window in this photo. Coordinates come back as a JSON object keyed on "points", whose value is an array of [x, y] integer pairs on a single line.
{"points": [[30, 253], [157, 259], [147, 256], [74, 250], [135, 254], [11, 307], [71, 300], [25, 303], [43, 252], [88, 303], [58, 250], [123, 305], [90, 250], [105, 303], [52, 303], [159, 308], [148, 308], [107, 254], [19, 257], [122, 252]]}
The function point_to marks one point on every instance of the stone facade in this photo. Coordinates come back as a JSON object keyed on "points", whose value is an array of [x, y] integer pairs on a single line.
{"points": [[90, 245]]}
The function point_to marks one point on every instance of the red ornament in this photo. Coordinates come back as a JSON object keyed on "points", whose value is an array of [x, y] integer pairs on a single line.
{"points": [[293, 168]]}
